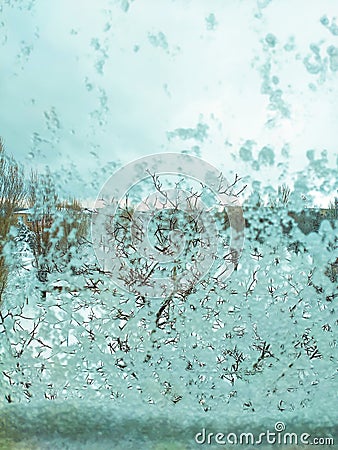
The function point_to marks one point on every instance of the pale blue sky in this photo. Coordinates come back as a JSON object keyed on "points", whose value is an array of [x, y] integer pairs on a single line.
{"points": [[92, 82]]}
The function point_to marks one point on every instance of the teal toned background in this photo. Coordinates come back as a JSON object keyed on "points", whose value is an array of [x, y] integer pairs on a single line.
{"points": [[94, 82]]}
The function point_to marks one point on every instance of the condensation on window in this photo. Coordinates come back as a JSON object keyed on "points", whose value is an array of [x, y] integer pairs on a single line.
{"points": [[168, 206]]}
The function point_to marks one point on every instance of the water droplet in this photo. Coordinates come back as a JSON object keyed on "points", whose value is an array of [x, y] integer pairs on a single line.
{"points": [[271, 40]]}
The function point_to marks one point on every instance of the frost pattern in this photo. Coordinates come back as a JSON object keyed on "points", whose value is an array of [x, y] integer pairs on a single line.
{"points": [[200, 133], [73, 346]]}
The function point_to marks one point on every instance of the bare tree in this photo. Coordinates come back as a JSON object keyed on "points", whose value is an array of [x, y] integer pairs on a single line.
{"points": [[333, 209], [12, 194], [282, 198], [42, 199], [57, 226], [166, 241]]}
